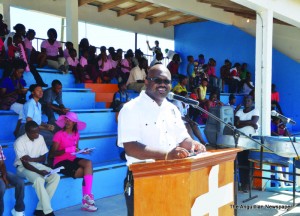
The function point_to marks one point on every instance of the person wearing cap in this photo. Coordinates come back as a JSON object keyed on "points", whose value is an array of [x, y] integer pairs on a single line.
{"points": [[32, 111], [65, 145], [31, 150]]}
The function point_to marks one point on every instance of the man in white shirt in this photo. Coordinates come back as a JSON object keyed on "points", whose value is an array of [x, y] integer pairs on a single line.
{"points": [[137, 76], [31, 150], [150, 127]]}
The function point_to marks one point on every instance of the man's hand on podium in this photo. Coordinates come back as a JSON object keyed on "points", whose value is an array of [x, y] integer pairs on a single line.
{"points": [[177, 153], [198, 147]]}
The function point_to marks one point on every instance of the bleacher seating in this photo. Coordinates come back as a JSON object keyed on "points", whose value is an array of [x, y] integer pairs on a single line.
{"points": [[101, 133]]}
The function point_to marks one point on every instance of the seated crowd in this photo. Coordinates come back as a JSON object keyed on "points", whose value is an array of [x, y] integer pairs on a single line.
{"points": [[61, 136]]}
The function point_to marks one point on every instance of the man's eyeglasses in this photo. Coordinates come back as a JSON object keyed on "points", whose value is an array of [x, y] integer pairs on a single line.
{"points": [[159, 80]]}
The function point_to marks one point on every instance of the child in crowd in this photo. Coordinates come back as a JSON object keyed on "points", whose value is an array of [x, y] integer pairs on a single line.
{"points": [[277, 127], [105, 66], [190, 70], [52, 49], [111, 52], [120, 97], [84, 45], [73, 66], [64, 148], [84, 68], [201, 60], [232, 101], [173, 66], [201, 91], [211, 102], [235, 78], [212, 77], [225, 74], [30, 34], [181, 86], [126, 66], [69, 45]]}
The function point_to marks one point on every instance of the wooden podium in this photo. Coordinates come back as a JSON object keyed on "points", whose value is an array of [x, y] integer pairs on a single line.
{"points": [[177, 187]]}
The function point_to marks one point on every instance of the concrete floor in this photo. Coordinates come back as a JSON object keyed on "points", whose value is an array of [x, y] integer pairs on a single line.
{"points": [[269, 204]]}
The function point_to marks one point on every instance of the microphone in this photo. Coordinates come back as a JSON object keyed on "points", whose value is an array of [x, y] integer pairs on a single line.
{"points": [[282, 117], [172, 96]]}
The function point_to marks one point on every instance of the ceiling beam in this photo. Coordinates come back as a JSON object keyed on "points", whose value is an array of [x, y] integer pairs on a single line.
{"points": [[150, 13], [197, 9], [110, 5], [223, 3], [183, 19], [83, 2], [134, 8], [165, 17]]}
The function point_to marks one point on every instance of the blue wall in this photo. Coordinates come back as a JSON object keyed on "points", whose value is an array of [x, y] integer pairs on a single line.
{"points": [[228, 42]]}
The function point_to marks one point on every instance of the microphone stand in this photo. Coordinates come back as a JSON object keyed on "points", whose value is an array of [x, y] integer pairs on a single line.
{"points": [[236, 135], [294, 168]]}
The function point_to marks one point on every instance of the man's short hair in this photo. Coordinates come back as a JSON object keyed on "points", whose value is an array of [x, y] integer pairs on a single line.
{"points": [[29, 125], [56, 83]]}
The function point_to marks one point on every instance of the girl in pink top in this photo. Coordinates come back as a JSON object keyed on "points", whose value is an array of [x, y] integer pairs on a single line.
{"points": [[65, 145], [105, 66], [74, 66], [53, 51], [84, 68]]}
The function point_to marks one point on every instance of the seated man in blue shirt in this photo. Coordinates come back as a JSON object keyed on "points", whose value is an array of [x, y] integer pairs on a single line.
{"points": [[32, 111], [50, 95]]}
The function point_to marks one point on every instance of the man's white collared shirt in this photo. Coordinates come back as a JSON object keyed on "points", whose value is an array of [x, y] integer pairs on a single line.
{"points": [[144, 121]]}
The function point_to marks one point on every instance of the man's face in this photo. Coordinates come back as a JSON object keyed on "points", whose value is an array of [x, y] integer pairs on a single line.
{"points": [[57, 88], [143, 64], [33, 133], [38, 92], [19, 73], [247, 102], [158, 84]]}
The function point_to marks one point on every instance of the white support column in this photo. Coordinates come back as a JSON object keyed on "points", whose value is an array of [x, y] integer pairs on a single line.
{"points": [[72, 22], [263, 74], [263, 62], [5, 10]]}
